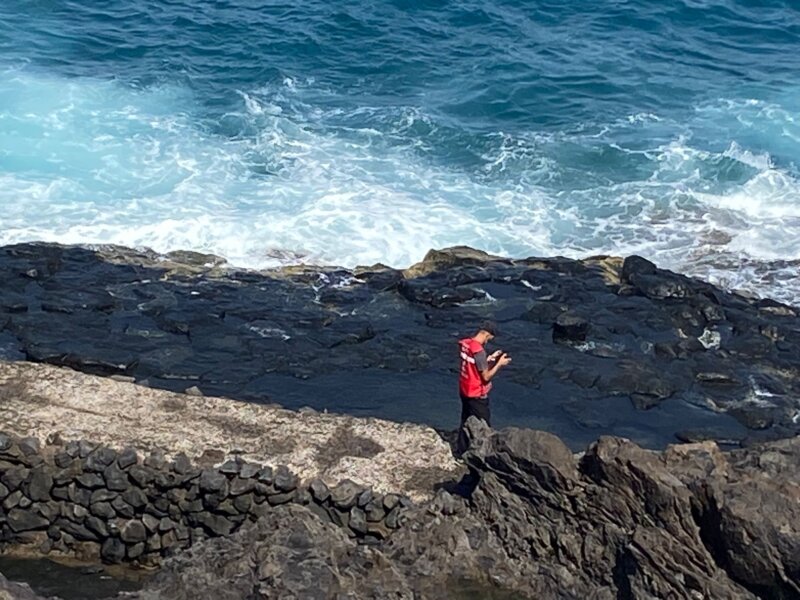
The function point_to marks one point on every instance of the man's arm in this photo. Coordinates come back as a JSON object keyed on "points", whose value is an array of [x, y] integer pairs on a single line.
{"points": [[488, 372]]}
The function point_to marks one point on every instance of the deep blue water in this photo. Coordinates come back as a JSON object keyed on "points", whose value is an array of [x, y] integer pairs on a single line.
{"points": [[358, 132]]}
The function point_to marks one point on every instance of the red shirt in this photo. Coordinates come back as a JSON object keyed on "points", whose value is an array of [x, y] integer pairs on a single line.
{"points": [[473, 358]]}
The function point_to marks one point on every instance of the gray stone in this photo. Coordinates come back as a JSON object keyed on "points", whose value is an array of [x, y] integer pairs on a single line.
{"points": [[4, 491], [302, 496], [392, 519], [13, 477], [153, 543], [242, 503], [116, 478], [390, 501], [239, 486], [182, 532], [12, 500], [214, 524], [375, 511], [133, 531], [127, 458], [136, 551], [213, 481], [345, 494], [102, 495], [166, 524], [122, 508], [319, 490], [230, 467], [358, 521], [167, 481], [249, 470], [25, 520], [226, 507], [91, 481], [280, 498], [76, 512], [61, 493], [112, 550], [181, 464], [265, 475], [104, 510], [150, 522], [49, 510], [29, 446], [285, 480], [364, 498], [97, 526], [79, 495], [142, 475], [85, 448], [156, 460], [62, 460], [78, 531], [193, 506], [98, 460], [135, 497]]}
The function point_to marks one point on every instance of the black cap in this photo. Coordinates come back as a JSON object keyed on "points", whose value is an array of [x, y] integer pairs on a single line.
{"points": [[489, 327]]}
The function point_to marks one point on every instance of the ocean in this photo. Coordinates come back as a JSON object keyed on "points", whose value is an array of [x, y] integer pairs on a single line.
{"points": [[370, 131]]}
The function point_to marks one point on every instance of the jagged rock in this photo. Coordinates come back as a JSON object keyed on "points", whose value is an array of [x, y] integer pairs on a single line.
{"points": [[618, 522]]}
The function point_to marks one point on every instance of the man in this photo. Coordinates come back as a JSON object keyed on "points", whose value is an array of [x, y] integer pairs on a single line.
{"points": [[477, 372]]}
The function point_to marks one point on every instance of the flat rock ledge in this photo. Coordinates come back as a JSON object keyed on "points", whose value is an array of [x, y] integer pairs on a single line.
{"points": [[601, 346], [52, 403]]}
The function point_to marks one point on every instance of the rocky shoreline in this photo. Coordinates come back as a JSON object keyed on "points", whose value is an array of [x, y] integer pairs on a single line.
{"points": [[600, 346], [530, 519], [123, 448]]}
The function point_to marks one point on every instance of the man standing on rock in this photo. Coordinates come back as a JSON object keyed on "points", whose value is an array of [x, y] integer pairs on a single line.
{"points": [[474, 382]]}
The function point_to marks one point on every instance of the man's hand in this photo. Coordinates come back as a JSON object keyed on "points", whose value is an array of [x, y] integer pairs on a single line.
{"points": [[495, 355], [503, 360]]}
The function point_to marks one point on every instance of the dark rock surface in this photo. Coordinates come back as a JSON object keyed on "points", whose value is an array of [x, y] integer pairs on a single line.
{"points": [[600, 346], [17, 591], [619, 522]]}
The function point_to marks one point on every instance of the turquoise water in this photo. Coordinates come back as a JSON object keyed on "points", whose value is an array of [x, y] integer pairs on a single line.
{"points": [[358, 132]]}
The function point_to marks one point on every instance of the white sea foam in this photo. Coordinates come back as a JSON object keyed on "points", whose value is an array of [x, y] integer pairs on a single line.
{"points": [[85, 161]]}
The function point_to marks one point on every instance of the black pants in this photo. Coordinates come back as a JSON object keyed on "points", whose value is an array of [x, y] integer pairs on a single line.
{"points": [[472, 407]]}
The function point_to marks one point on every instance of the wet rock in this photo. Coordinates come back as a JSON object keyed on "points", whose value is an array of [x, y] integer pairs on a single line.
{"points": [[570, 327]]}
